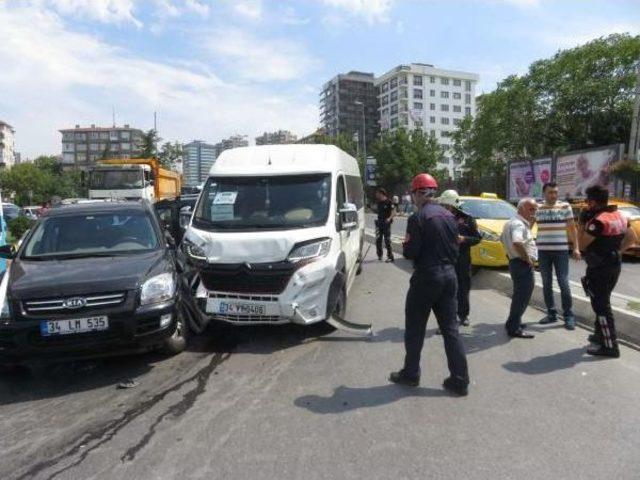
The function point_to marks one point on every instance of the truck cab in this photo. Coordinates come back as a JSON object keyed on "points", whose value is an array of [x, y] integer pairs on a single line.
{"points": [[130, 182]]}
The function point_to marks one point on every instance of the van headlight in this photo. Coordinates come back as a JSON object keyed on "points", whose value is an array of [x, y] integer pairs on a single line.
{"points": [[193, 251], [158, 289], [310, 250]]}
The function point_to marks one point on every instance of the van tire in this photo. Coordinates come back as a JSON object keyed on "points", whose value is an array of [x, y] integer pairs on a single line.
{"points": [[177, 342], [340, 308]]}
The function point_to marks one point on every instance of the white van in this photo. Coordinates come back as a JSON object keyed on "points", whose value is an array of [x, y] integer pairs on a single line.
{"points": [[277, 235]]}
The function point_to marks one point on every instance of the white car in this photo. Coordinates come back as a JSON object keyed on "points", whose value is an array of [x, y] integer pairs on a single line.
{"points": [[277, 235]]}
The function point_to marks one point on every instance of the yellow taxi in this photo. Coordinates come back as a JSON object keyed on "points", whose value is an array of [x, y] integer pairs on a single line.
{"points": [[629, 210], [491, 214]]}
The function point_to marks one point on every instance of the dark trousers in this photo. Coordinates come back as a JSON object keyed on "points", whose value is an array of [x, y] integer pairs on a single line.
{"points": [[383, 230], [463, 272], [522, 280], [433, 289], [600, 282], [548, 260]]}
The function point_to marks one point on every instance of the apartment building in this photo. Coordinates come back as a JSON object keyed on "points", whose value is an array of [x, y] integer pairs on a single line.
{"points": [[349, 105], [435, 100], [197, 161], [276, 138], [83, 146], [7, 144]]}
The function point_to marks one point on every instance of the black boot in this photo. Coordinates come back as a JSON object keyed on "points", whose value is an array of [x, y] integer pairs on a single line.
{"points": [[402, 379], [456, 386], [602, 351]]}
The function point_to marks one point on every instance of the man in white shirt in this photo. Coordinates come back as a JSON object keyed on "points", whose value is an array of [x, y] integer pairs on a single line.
{"points": [[523, 253]]}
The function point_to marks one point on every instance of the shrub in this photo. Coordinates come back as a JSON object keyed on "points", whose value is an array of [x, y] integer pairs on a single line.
{"points": [[19, 225]]}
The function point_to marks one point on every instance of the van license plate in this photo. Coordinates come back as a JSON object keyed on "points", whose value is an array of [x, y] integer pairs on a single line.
{"points": [[77, 325], [234, 308]]}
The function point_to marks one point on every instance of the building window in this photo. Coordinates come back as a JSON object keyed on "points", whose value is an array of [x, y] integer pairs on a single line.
{"points": [[67, 147], [384, 100], [432, 79], [81, 146], [417, 80], [394, 109], [417, 105], [94, 135], [384, 112], [394, 82], [113, 135], [394, 122], [394, 96], [81, 157], [467, 110], [432, 120], [444, 81], [385, 87], [104, 135], [418, 123], [126, 135], [444, 94], [417, 93], [125, 146], [432, 133], [457, 95], [467, 98], [80, 136], [467, 86], [457, 108], [444, 108], [444, 121], [432, 106], [444, 160], [404, 120], [432, 93], [444, 133], [457, 83], [403, 80], [67, 136], [93, 147]]}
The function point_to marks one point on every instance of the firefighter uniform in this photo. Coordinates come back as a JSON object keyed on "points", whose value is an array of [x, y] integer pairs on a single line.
{"points": [[604, 262], [432, 243]]}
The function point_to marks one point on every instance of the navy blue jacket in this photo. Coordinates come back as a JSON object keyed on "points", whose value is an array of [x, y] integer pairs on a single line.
{"points": [[431, 238]]}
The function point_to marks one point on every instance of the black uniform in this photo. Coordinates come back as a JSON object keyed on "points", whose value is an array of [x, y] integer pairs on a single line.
{"points": [[467, 228], [383, 228], [604, 263], [432, 243]]}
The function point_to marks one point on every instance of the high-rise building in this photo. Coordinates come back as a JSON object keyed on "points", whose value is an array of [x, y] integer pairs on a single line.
{"points": [[276, 138], [349, 105], [234, 141], [7, 134], [435, 100], [197, 161], [82, 147]]}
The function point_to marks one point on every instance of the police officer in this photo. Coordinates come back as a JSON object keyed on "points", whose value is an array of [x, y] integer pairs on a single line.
{"points": [[603, 235], [386, 212], [432, 243], [468, 236]]}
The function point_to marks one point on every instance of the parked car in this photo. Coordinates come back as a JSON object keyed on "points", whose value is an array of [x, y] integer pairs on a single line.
{"points": [[32, 211], [277, 235], [91, 280], [10, 211]]}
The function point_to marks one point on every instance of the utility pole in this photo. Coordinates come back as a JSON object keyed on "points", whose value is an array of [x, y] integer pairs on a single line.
{"points": [[634, 138]]}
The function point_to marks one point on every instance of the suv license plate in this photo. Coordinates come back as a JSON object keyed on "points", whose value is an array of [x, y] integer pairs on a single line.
{"points": [[77, 325]]}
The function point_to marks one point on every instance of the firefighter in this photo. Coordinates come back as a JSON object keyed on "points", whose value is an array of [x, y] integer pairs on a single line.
{"points": [[432, 243], [603, 236]]}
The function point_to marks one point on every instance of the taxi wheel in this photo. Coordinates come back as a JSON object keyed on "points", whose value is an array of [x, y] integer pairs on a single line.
{"points": [[177, 342]]}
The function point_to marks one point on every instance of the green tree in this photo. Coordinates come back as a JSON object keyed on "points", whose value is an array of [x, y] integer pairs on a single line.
{"points": [[170, 154], [401, 154], [149, 144]]}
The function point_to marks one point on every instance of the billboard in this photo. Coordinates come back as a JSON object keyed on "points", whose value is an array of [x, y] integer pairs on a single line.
{"points": [[526, 178], [577, 171], [370, 172]]}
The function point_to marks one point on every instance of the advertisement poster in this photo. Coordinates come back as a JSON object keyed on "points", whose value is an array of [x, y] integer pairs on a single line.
{"points": [[579, 170], [527, 178]]}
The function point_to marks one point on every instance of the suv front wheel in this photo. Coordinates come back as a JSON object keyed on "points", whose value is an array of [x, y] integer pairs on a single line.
{"points": [[177, 342]]}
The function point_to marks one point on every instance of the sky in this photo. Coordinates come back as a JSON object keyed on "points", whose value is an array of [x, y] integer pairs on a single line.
{"points": [[214, 68]]}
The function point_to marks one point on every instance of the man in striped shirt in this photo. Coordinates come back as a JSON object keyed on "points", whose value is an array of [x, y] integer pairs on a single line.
{"points": [[556, 229]]}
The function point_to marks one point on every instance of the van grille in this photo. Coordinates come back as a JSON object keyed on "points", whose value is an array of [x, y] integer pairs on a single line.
{"points": [[262, 278]]}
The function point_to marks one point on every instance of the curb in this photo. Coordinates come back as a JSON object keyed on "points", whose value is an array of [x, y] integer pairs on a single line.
{"points": [[627, 321]]}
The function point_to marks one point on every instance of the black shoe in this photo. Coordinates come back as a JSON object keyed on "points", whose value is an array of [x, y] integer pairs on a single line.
{"points": [[547, 320], [379, 259], [390, 260], [454, 386], [464, 321], [521, 334], [601, 351], [593, 338], [401, 379]]}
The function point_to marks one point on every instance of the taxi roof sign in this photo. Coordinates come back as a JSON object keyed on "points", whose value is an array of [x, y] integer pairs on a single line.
{"points": [[488, 195]]}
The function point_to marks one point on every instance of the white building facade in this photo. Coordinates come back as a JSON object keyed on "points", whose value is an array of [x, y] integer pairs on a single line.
{"points": [[7, 145], [422, 96]]}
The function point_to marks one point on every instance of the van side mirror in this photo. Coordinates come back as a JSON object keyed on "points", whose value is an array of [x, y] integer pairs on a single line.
{"points": [[349, 217], [7, 251]]}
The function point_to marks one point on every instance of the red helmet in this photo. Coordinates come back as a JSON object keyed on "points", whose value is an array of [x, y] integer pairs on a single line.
{"points": [[423, 180]]}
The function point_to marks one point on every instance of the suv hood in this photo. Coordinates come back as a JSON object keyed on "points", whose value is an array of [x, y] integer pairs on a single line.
{"points": [[251, 247], [51, 278]]}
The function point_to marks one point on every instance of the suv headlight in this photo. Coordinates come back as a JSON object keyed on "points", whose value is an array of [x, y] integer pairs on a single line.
{"points": [[310, 251], [158, 289], [193, 251]]}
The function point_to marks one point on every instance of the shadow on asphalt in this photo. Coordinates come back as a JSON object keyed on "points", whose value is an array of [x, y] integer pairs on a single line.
{"points": [[345, 399], [551, 363]]}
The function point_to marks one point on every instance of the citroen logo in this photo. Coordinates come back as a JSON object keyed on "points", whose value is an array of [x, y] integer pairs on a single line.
{"points": [[248, 266], [74, 303]]}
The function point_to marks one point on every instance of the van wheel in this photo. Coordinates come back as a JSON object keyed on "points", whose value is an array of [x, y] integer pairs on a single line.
{"points": [[339, 311], [177, 342]]}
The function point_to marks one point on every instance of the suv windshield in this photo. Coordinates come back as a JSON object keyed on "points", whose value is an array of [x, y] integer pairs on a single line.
{"points": [[86, 235], [281, 202], [490, 209], [116, 179]]}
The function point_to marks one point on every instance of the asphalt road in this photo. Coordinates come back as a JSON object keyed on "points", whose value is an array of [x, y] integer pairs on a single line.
{"points": [[629, 283], [291, 403]]}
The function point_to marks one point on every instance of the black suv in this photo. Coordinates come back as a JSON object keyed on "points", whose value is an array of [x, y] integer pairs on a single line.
{"points": [[89, 280]]}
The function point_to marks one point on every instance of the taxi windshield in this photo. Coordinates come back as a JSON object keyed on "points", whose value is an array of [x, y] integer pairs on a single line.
{"points": [[491, 209]]}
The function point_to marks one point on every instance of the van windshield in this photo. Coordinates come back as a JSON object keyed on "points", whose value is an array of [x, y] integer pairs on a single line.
{"points": [[252, 203]]}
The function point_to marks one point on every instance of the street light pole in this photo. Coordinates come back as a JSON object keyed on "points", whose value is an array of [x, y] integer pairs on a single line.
{"points": [[364, 130]]}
